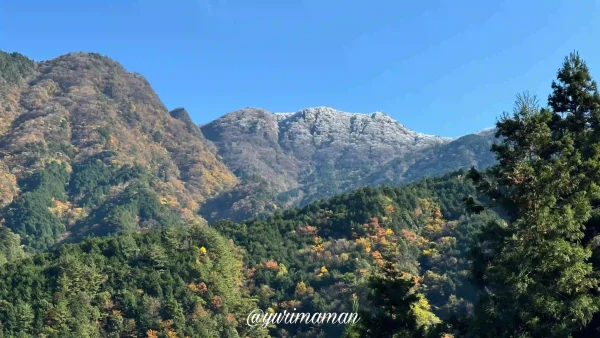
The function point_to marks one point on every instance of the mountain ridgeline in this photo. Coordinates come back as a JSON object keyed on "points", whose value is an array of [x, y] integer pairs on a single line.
{"points": [[289, 159], [80, 136]]}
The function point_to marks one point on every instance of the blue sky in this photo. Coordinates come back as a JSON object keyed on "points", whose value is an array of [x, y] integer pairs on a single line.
{"points": [[441, 67]]}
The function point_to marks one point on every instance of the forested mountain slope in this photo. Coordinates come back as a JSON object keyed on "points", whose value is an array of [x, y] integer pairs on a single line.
{"points": [[88, 149], [512, 250], [103, 128], [319, 258], [192, 281]]}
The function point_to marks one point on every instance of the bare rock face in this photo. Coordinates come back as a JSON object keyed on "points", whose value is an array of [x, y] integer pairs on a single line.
{"points": [[317, 152]]}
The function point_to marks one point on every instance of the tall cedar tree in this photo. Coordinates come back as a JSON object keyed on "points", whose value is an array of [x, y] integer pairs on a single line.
{"points": [[533, 270]]}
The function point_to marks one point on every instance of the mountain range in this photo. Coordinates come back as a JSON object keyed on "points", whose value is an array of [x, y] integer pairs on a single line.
{"points": [[105, 197], [99, 122]]}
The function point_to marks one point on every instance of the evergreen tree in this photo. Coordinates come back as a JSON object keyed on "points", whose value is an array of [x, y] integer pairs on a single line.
{"points": [[391, 313], [533, 269]]}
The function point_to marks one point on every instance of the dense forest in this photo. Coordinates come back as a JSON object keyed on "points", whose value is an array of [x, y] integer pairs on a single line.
{"points": [[57, 201], [170, 283], [97, 247], [319, 258], [315, 259]]}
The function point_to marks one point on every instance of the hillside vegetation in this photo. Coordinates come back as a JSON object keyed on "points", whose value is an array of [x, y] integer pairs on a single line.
{"points": [[172, 283], [319, 258], [190, 280], [60, 118]]}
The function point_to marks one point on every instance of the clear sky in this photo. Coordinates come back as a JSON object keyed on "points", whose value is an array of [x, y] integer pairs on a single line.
{"points": [[441, 67]]}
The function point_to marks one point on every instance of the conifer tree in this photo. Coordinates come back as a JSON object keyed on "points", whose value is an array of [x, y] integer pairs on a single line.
{"points": [[533, 269], [391, 298]]}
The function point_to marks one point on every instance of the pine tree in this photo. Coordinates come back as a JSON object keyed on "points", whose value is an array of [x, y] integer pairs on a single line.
{"points": [[533, 269]]}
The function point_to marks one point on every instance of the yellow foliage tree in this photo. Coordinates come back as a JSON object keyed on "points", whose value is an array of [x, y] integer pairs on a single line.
{"points": [[422, 311], [301, 289]]}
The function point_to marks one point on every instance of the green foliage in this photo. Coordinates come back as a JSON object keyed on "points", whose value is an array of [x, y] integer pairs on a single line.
{"points": [[137, 207], [313, 259], [97, 198], [113, 287], [534, 271], [92, 172], [50, 181], [14, 67], [10, 246], [93, 178], [519, 259], [29, 215], [344, 235], [392, 301]]}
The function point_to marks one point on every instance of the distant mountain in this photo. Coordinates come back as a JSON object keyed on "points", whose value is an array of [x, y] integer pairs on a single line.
{"points": [[85, 112], [285, 159], [464, 152]]}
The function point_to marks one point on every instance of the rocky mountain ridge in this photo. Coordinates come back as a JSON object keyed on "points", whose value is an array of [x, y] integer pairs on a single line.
{"points": [[317, 152]]}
